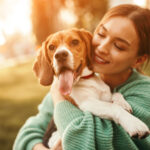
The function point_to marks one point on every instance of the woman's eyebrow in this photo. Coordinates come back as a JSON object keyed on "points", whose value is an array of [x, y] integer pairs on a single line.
{"points": [[118, 38]]}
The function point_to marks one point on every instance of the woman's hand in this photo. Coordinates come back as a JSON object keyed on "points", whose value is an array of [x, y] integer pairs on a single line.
{"points": [[58, 146], [55, 93], [40, 146]]}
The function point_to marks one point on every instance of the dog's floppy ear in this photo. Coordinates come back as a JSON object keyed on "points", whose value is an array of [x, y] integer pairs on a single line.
{"points": [[42, 67], [87, 37]]}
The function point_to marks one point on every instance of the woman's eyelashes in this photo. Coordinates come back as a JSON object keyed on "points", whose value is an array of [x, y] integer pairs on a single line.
{"points": [[101, 34], [120, 47]]}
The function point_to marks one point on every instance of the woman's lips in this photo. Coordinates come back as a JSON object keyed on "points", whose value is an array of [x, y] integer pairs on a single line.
{"points": [[100, 60]]}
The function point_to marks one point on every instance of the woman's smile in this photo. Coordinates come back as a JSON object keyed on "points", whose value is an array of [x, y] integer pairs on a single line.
{"points": [[100, 60]]}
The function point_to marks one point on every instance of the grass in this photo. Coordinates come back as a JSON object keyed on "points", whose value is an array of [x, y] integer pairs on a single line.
{"points": [[20, 93]]}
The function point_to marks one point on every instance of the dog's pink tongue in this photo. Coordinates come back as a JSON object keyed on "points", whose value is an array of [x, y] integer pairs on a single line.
{"points": [[65, 82]]}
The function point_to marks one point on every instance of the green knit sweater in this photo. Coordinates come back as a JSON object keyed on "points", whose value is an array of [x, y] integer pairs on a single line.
{"points": [[84, 131]]}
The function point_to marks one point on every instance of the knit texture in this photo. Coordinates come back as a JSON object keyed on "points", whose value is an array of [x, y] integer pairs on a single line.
{"points": [[84, 131]]}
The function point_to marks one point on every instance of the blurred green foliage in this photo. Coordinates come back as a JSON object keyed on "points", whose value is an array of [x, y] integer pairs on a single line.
{"points": [[20, 93]]}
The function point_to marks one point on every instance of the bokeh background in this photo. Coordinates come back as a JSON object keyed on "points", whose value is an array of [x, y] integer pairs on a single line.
{"points": [[24, 25]]}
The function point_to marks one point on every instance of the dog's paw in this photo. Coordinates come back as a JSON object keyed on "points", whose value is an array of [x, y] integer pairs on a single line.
{"points": [[135, 127], [125, 105], [118, 99]]}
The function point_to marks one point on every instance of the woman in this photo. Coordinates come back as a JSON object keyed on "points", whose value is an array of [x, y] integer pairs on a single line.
{"points": [[122, 44]]}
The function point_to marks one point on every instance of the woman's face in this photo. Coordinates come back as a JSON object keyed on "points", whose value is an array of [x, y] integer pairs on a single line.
{"points": [[116, 46]]}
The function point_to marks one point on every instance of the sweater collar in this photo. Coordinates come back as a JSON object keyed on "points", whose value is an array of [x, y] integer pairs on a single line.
{"points": [[134, 75]]}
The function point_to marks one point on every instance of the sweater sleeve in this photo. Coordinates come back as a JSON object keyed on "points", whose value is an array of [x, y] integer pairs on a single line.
{"points": [[34, 128], [140, 103], [84, 131]]}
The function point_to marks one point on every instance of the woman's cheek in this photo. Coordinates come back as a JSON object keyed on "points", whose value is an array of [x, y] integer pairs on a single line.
{"points": [[116, 54], [96, 40]]}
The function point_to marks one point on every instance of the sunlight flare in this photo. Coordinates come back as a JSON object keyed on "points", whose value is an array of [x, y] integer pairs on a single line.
{"points": [[140, 2], [67, 16], [16, 20]]}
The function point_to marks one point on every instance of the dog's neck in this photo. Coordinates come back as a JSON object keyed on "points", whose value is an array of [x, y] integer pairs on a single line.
{"points": [[86, 74]]}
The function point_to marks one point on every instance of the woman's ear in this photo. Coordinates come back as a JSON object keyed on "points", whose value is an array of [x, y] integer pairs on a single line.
{"points": [[42, 67], [139, 61]]}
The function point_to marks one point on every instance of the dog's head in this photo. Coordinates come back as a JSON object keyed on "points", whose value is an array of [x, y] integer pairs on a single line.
{"points": [[64, 54]]}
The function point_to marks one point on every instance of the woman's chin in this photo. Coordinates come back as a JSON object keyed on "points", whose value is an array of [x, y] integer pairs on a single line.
{"points": [[97, 69], [102, 70]]}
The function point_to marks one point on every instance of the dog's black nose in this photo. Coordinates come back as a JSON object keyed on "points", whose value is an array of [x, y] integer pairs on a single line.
{"points": [[61, 56]]}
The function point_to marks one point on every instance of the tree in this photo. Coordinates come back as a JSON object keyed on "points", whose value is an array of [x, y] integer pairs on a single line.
{"points": [[45, 15], [89, 12], [45, 18]]}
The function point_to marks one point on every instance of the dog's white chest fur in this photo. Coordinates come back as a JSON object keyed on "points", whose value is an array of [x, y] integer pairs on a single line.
{"points": [[88, 89]]}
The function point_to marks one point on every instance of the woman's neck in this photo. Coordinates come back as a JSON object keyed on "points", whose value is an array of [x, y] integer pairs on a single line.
{"points": [[114, 80]]}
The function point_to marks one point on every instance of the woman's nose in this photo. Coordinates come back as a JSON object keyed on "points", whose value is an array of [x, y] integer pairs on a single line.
{"points": [[103, 47]]}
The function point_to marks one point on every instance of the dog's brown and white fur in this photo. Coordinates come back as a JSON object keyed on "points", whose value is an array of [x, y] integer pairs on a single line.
{"points": [[70, 52]]}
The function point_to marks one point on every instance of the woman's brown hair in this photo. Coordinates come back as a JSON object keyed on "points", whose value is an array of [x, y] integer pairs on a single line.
{"points": [[141, 20]]}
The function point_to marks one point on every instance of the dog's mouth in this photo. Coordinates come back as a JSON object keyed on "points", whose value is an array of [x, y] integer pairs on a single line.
{"points": [[66, 79]]}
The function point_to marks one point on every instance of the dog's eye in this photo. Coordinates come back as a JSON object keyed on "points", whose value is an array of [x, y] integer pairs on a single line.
{"points": [[51, 47], [75, 42]]}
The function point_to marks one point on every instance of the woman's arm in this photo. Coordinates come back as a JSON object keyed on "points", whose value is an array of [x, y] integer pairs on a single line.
{"points": [[33, 130], [83, 131]]}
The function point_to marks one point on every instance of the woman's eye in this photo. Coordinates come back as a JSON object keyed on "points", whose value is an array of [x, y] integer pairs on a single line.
{"points": [[119, 46], [51, 47], [75, 42], [101, 35]]}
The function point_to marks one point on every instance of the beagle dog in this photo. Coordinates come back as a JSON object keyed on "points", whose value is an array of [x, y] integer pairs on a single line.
{"points": [[65, 58]]}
